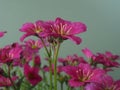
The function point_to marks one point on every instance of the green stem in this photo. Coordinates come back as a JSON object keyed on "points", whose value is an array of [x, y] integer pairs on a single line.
{"points": [[11, 78], [6, 88], [82, 88], [55, 65], [61, 86], [50, 64], [69, 88], [45, 47]]}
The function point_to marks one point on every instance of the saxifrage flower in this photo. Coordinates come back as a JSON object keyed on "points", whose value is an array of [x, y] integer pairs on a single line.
{"points": [[104, 83], [10, 53], [5, 81], [82, 74], [32, 74], [64, 29], [32, 29]]}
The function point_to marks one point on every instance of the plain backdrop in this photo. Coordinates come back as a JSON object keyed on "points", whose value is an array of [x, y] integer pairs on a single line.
{"points": [[102, 18]]}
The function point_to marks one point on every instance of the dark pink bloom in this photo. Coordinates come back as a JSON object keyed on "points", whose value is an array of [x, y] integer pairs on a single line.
{"points": [[33, 45], [105, 83], [107, 59], [2, 34], [32, 29], [14, 53], [4, 81], [10, 53], [64, 29], [72, 60], [31, 48], [111, 56], [32, 74], [82, 74]]}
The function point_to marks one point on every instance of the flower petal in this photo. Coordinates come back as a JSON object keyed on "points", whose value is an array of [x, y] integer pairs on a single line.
{"points": [[75, 39], [75, 83]]}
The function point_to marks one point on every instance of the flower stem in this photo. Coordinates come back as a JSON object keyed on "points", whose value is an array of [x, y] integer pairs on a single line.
{"points": [[69, 88], [82, 88], [61, 86], [11, 78], [45, 47], [55, 65], [50, 64]]}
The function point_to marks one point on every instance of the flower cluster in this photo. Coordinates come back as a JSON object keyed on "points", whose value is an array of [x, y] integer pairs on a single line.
{"points": [[22, 68]]}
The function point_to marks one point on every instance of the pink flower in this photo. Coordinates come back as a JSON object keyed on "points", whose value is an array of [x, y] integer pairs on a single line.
{"points": [[10, 53], [88, 53], [105, 83], [31, 48], [82, 74], [107, 59], [14, 53], [2, 34], [32, 74], [64, 29], [32, 29], [33, 45], [111, 56], [4, 81], [72, 60]]}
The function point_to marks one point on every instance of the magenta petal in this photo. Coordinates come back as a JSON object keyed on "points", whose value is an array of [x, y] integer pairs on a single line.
{"points": [[32, 74], [75, 39], [70, 70], [77, 28], [2, 34], [36, 81], [62, 21], [27, 27], [88, 53], [97, 74], [75, 83], [93, 86], [23, 37]]}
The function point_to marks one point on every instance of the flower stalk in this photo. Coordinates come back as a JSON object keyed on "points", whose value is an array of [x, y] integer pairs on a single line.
{"points": [[9, 70], [55, 65], [50, 66], [50, 62]]}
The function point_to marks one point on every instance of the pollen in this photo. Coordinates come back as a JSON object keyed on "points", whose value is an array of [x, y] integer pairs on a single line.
{"points": [[38, 31], [34, 46]]}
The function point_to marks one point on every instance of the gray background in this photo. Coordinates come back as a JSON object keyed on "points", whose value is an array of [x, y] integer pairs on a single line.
{"points": [[102, 18]]}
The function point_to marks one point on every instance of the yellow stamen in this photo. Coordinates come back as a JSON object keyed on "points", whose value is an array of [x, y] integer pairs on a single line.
{"points": [[34, 47]]}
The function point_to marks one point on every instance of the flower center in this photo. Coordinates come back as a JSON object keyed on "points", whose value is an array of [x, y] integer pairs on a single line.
{"points": [[34, 46], [82, 76], [38, 31], [31, 75], [64, 30], [61, 29]]}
